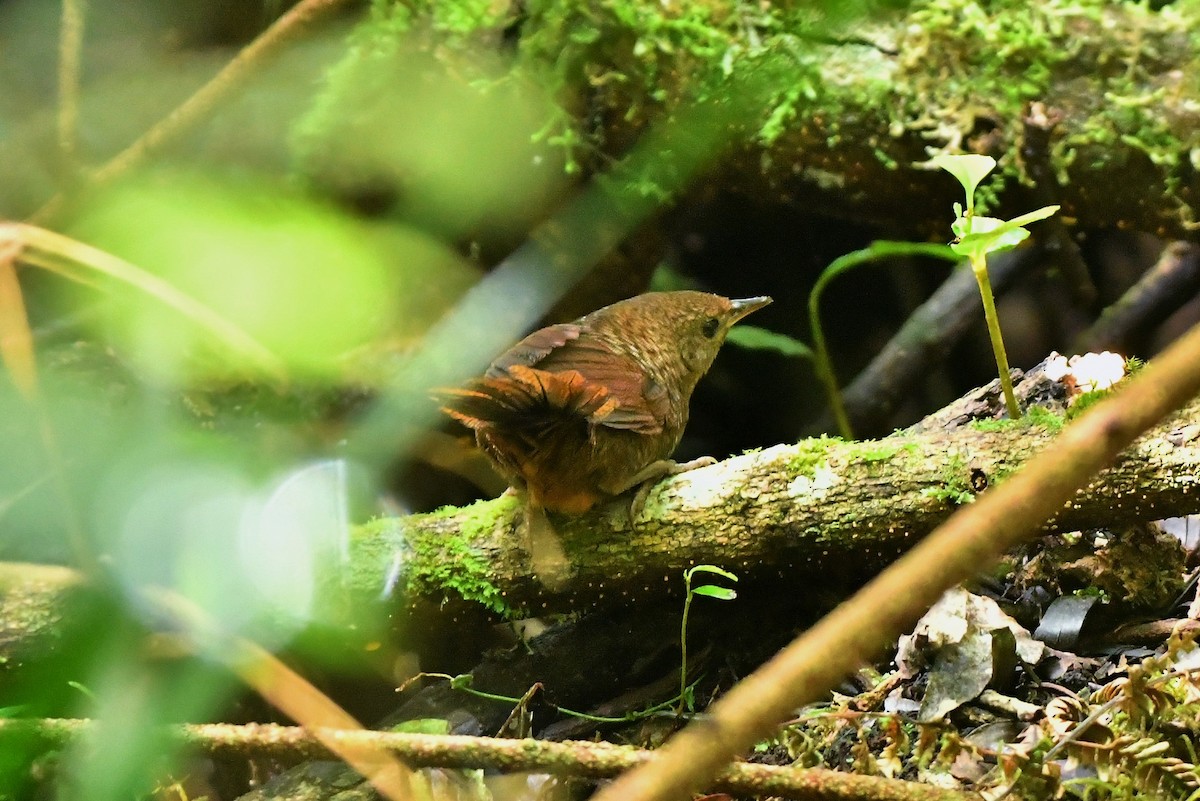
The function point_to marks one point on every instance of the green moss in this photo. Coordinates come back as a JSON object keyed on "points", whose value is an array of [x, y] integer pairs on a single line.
{"points": [[1009, 52], [878, 450], [1001, 472], [446, 511], [1034, 416], [956, 487], [868, 453], [1093, 592], [1047, 419], [1004, 53], [811, 454], [453, 562], [990, 425], [613, 65], [959, 69], [1084, 402]]}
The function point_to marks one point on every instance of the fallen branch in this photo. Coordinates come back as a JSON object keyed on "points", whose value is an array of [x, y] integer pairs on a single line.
{"points": [[923, 343], [822, 509], [586, 759]]}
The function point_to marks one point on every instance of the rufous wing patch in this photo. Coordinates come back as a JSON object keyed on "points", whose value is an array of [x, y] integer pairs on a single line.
{"points": [[525, 393], [562, 368], [534, 348], [620, 375]]}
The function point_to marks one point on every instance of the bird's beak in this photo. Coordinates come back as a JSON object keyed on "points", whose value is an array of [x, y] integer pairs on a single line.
{"points": [[746, 305]]}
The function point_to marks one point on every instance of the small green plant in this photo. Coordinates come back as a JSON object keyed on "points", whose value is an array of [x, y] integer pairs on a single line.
{"points": [[754, 338], [686, 695], [1084, 402], [463, 681], [881, 249], [956, 485], [686, 700], [975, 237]]}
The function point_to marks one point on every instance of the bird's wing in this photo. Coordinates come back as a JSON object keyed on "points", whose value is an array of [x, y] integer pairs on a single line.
{"points": [[561, 368], [641, 404], [520, 398], [533, 348]]}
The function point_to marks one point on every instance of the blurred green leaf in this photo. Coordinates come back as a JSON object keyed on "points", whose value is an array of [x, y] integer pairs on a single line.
{"points": [[752, 337], [308, 283], [16, 340], [80, 262], [423, 726], [445, 140]]}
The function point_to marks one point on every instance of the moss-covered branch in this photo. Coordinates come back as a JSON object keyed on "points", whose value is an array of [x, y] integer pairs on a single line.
{"points": [[1085, 102], [821, 514], [822, 510], [587, 759]]}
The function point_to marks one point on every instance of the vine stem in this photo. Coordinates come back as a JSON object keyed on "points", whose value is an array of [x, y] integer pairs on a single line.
{"points": [[70, 46]]}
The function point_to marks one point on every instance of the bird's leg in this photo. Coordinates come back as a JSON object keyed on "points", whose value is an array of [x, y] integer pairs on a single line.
{"points": [[651, 474]]}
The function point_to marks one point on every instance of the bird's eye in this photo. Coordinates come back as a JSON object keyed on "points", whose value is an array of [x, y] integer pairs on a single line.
{"points": [[710, 326]]}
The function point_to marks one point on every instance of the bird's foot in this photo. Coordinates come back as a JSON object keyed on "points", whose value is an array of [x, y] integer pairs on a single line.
{"points": [[650, 475], [694, 464]]}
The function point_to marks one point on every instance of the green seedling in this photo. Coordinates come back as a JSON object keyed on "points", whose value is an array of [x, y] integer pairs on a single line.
{"points": [[686, 693], [684, 701], [975, 237]]}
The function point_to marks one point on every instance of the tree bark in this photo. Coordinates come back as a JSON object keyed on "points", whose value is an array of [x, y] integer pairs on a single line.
{"points": [[822, 511]]}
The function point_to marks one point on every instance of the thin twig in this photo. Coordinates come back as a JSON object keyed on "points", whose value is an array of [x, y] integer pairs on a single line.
{"points": [[1160, 292], [292, 694], [70, 48], [595, 760], [198, 106]]}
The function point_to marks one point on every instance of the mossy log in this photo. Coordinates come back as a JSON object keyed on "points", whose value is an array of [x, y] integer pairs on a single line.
{"points": [[819, 513], [1085, 103], [822, 514]]}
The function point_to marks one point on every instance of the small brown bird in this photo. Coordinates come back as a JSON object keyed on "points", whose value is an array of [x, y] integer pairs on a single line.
{"points": [[579, 412]]}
